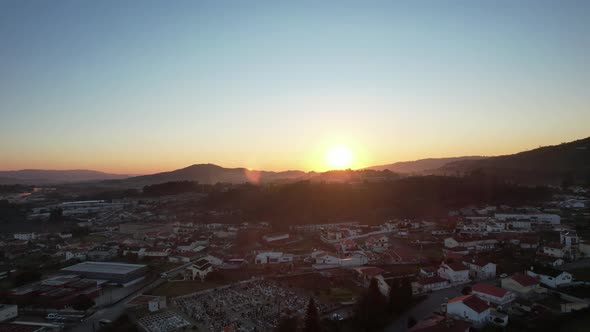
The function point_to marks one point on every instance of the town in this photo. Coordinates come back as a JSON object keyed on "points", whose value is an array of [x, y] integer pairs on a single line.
{"points": [[156, 264]]}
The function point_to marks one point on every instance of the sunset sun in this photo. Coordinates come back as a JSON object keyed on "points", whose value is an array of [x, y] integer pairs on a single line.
{"points": [[339, 157]]}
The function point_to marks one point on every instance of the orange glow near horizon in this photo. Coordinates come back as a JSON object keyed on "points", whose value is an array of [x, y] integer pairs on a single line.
{"points": [[339, 157]]}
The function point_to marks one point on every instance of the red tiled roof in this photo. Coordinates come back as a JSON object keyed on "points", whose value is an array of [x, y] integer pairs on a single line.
{"points": [[477, 261], [489, 289], [476, 304], [439, 324], [524, 280], [431, 280], [457, 266]]}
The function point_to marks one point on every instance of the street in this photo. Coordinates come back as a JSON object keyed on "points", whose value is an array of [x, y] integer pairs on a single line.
{"points": [[425, 308]]}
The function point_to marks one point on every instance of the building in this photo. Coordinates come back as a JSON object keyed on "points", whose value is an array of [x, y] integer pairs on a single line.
{"points": [[480, 269], [155, 252], [455, 273], [273, 258], [550, 277], [540, 218], [199, 269], [470, 308], [25, 236], [8, 312], [101, 253], [492, 294], [120, 273], [58, 292], [429, 284], [399, 256], [276, 238], [523, 285], [79, 254]]}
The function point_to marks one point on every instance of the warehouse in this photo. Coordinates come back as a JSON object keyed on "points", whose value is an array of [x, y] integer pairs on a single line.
{"points": [[120, 273]]}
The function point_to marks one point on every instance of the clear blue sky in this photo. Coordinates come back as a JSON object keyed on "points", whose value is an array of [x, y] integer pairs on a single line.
{"points": [[142, 86]]}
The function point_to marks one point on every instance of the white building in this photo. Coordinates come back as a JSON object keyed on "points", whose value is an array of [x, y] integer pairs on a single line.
{"points": [[429, 284], [550, 277], [542, 218], [470, 308], [79, 254], [492, 294], [272, 257], [480, 269], [455, 273], [523, 285], [25, 236], [273, 238], [199, 269]]}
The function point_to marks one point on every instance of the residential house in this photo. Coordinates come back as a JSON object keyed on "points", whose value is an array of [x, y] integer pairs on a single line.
{"points": [[428, 271], [367, 273], [480, 269], [79, 254], [101, 253], [523, 285], [377, 243], [276, 238], [156, 252], [550, 277], [455, 273], [470, 308], [399, 256], [492, 294], [429, 284]]}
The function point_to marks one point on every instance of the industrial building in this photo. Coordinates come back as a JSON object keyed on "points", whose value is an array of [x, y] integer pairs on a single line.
{"points": [[120, 273]]}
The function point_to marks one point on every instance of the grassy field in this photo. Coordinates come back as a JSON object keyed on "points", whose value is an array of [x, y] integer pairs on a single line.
{"points": [[339, 295], [179, 288]]}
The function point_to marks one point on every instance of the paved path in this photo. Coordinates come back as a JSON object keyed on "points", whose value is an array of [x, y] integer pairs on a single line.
{"points": [[425, 308]]}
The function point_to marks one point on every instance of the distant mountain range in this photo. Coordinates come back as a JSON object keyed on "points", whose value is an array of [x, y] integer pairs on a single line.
{"points": [[545, 165], [42, 177], [421, 165]]}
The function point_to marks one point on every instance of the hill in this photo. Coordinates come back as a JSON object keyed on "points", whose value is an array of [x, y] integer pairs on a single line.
{"points": [[211, 174], [566, 162], [42, 177], [420, 165]]}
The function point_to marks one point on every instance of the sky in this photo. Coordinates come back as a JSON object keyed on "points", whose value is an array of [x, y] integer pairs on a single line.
{"points": [[138, 87]]}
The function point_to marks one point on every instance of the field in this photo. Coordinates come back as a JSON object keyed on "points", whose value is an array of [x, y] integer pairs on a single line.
{"points": [[179, 288]]}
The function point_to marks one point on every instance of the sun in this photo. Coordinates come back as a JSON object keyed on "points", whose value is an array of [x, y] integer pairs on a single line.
{"points": [[339, 157]]}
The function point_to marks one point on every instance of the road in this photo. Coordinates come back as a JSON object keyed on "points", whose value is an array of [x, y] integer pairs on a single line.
{"points": [[425, 308], [117, 309]]}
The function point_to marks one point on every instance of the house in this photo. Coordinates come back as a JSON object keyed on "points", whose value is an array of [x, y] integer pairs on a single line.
{"points": [[554, 250], [492, 294], [346, 245], [428, 271], [199, 269], [79, 254], [271, 257], [377, 243], [471, 242], [156, 252], [367, 273], [523, 285], [455, 273], [480, 269], [470, 308], [276, 238], [550, 277], [399, 256], [186, 246], [25, 236], [101, 253], [429, 284]]}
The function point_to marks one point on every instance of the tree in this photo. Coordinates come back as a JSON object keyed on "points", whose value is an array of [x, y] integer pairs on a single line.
{"points": [[312, 317], [371, 308], [406, 291], [394, 303], [411, 322]]}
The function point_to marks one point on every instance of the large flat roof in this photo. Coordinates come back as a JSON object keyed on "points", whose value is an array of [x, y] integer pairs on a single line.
{"points": [[104, 267]]}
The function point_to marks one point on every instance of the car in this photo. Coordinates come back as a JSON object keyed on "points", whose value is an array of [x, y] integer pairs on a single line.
{"points": [[164, 275], [503, 275], [337, 317], [53, 316]]}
